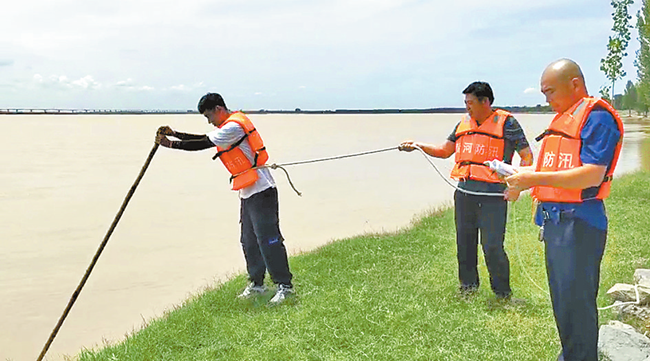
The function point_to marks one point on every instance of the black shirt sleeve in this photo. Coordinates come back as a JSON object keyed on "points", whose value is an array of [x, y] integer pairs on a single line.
{"points": [[188, 136], [193, 144]]}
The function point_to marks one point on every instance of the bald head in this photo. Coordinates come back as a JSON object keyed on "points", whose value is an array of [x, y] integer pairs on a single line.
{"points": [[564, 70], [563, 84]]}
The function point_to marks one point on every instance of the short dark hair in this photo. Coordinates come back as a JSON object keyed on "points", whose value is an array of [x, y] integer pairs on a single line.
{"points": [[480, 90], [210, 101]]}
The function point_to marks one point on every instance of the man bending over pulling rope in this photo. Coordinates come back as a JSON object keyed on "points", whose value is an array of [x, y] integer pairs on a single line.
{"points": [[240, 148], [482, 135]]}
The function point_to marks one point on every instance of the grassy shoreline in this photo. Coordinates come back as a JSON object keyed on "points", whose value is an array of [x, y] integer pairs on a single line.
{"points": [[394, 297]]}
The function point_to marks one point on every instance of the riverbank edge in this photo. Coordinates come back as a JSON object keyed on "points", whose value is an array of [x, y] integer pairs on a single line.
{"points": [[376, 294]]}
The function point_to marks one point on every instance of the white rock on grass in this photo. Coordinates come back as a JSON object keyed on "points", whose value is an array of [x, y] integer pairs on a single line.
{"points": [[626, 293], [620, 342], [622, 292], [642, 277]]}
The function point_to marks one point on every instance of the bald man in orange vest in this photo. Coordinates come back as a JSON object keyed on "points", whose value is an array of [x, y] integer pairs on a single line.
{"points": [[572, 177]]}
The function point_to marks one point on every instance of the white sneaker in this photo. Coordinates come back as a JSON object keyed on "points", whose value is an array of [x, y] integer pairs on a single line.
{"points": [[252, 290], [282, 293]]}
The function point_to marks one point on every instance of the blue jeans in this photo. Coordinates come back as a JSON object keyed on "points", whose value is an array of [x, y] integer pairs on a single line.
{"points": [[487, 214], [261, 239], [574, 250]]}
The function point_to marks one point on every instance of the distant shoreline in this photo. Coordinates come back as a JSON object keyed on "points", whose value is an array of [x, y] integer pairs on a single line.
{"points": [[26, 111]]}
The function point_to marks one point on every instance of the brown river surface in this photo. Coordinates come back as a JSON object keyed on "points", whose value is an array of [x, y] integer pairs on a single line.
{"points": [[64, 178]]}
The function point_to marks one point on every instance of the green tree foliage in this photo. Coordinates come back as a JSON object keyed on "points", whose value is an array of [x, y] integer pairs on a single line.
{"points": [[612, 64], [605, 92], [642, 108], [642, 61], [630, 97]]}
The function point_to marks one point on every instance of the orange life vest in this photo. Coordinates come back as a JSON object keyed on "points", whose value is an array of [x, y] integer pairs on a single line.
{"points": [[234, 159], [476, 144], [561, 150]]}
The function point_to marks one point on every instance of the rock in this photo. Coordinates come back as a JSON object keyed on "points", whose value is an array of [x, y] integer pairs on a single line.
{"points": [[642, 313], [626, 293], [622, 292], [642, 277], [644, 295], [619, 312], [620, 342]]}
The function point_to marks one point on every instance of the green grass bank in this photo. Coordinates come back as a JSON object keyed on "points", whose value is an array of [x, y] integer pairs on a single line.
{"points": [[394, 297]]}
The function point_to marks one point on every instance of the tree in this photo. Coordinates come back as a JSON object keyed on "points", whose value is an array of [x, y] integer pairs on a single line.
{"points": [[618, 101], [641, 107], [605, 93], [612, 64], [642, 61], [630, 97], [643, 91]]}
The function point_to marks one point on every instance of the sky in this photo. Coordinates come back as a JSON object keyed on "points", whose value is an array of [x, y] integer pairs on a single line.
{"points": [[287, 54]]}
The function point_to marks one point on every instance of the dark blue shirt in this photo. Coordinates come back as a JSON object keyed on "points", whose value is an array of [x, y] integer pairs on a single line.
{"points": [[514, 139], [600, 135]]}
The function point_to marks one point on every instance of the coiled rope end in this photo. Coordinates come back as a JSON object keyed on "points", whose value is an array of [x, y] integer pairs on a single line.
{"points": [[276, 166]]}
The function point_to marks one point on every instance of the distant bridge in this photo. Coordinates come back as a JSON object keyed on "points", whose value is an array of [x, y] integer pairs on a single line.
{"points": [[89, 111]]}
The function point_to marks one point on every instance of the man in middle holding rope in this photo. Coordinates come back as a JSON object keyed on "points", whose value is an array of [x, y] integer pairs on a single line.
{"points": [[482, 135]]}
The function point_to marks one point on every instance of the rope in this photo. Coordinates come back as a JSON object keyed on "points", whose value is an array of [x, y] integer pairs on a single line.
{"points": [[426, 156], [282, 165], [337, 157], [519, 258], [638, 300], [275, 166], [77, 291]]}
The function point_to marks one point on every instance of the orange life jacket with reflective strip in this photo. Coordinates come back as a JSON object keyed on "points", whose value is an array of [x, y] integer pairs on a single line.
{"points": [[561, 150], [477, 144], [234, 159]]}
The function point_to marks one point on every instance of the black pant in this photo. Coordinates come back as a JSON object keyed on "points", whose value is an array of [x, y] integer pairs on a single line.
{"points": [[487, 214], [261, 239], [574, 250]]}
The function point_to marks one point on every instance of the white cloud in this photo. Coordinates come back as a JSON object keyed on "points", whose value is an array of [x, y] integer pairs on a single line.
{"points": [[185, 88], [125, 83], [180, 87], [63, 82], [86, 82], [531, 91], [129, 85]]}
